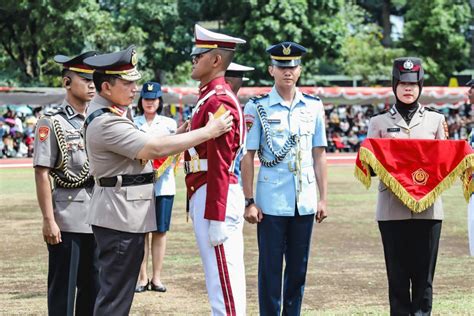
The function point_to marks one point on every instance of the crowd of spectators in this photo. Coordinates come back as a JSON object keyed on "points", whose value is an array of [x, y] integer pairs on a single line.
{"points": [[17, 132], [346, 126]]}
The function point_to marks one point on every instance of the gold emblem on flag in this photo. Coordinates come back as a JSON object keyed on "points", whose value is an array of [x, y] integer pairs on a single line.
{"points": [[286, 50], [420, 177]]}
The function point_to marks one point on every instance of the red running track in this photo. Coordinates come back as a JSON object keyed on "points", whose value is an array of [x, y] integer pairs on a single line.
{"points": [[333, 159]]}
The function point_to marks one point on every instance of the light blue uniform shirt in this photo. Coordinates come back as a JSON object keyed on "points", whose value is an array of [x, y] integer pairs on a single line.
{"points": [[161, 126], [277, 186]]}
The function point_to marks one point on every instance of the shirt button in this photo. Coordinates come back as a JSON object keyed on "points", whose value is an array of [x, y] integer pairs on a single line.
{"points": [[192, 188], [141, 195], [265, 178], [69, 197]]}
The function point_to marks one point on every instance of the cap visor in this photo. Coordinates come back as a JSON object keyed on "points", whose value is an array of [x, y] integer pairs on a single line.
{"points": [[286, 63], [151, 95], [199, 50], [409, 77], [61, 59], [133, 75], [84, 75]]}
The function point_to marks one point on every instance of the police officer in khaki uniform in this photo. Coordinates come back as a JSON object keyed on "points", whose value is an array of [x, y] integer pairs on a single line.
{"points": [[410, 240], [123, 202], [59, 152]]}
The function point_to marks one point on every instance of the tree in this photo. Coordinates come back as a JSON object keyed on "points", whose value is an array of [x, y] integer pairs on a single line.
{"points": [[167, 28], [32, 32], [436, 30], [380, 12], [317, 25], [363, 54]]}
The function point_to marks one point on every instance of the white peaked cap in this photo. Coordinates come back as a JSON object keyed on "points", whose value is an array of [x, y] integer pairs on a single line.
{"points": [[239, 67], [206, 40]]}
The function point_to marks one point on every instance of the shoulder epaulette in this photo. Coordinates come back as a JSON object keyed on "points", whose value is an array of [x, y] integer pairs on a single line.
{"points": [[259, 97], [52, 112], [427, 108], [310, 96], [381, 112], [220, 90]]}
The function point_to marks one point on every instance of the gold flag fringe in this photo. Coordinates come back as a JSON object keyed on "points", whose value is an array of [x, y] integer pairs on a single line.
{"points": [[161, 169], [462, 170]]}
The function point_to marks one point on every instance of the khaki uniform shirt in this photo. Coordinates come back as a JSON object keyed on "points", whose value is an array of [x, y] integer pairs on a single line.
{"points": [[425, 124], [70, 205], [113, 143]]}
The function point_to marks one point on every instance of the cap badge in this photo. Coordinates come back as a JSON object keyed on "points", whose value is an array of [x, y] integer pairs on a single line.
{"points": [[150, 87], [286, 50], [134, 58], [408, 64]]}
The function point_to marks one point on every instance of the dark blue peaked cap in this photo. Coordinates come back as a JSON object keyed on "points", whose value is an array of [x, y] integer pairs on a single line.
{"points": [[286, 54], [151, 90], [76, 64]]}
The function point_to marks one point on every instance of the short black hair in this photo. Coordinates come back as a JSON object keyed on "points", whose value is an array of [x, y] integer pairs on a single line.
{"points": [[99, 78], [65, 72], [140, 110]]}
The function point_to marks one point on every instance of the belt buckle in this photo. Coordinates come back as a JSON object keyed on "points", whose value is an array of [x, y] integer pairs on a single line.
{"points": [[198, 164]]}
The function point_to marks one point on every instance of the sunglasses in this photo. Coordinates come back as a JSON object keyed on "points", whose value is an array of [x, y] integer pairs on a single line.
{"points": [[195, 58]]}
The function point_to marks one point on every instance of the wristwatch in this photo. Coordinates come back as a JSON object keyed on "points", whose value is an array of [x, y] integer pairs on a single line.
{"points": [[249, 202]]}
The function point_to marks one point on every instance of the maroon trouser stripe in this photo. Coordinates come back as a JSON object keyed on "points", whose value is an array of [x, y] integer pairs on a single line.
{"points": [[225, 280]]}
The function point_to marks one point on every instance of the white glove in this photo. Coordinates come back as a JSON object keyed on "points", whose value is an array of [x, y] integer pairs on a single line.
{"points": [[217, 232]]}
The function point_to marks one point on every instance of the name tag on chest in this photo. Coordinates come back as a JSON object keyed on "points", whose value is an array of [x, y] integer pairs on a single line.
{"points": [[393, 129], [72, 137], [274, 121]]}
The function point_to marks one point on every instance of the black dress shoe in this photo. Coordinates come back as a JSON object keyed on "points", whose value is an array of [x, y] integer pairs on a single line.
{"points": [[142, 288], [157, 288]]}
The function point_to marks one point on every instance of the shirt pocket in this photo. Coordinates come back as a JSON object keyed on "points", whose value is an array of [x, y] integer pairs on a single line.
{"points": [[65, 195], [139, 192], [268, 176], [306, 131]]}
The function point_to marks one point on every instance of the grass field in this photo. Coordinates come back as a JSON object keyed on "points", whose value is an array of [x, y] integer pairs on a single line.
{"points": [[346, 270]]}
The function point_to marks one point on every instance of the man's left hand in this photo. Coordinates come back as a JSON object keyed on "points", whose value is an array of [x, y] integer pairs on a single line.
{"points": [[321, 212], [217, 233]]}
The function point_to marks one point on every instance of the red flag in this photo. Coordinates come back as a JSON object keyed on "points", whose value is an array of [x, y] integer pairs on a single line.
{"points": [[417, 171], [158, 162]]}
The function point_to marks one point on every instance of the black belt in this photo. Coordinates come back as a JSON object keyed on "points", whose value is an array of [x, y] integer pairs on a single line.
{"points": [[128, 180], [88, 184]]}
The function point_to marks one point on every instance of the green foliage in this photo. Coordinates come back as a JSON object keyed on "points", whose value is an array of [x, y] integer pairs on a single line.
{"points": [[340, 35], [31, 32], [436, 31], [317, 25], [363, 53]]}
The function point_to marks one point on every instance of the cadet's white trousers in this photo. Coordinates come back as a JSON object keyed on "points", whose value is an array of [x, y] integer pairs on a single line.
{"points": [[470, 224], [223, 265]]}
